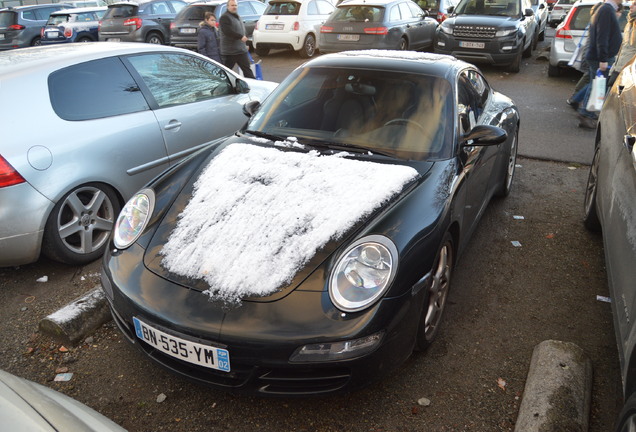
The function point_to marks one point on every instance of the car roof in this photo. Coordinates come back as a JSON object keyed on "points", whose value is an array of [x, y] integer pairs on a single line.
{"points": [[45, 59], [79, 10], [398, 61], [37, 6]]}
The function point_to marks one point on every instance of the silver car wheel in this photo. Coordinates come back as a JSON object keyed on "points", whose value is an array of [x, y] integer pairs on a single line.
{"points": [[438, 291], [85, 220]]}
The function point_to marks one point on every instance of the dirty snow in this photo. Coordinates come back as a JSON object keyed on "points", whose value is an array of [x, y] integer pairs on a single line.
{"points": [[258, 214]]}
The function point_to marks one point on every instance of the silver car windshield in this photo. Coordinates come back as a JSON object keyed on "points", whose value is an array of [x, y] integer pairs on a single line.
{"points": [[408, 116]]}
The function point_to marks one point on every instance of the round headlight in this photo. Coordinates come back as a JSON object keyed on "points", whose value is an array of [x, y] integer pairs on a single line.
{"points": [[133, 218], [363, 273]]}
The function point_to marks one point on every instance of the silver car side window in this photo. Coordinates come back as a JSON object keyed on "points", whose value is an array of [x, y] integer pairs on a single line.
{"points": [[177, 79]]}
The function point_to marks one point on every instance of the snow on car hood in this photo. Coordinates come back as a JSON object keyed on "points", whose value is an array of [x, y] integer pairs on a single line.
{"points": [[258, 214]]}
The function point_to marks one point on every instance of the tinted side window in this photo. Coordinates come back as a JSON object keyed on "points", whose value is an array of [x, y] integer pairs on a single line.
{"points": [[43, 13], [177, 5], [324, 8], [29, 15], [260, 7], [95, 89], [405, 11], [244, 9], [176, 79], [394, 14], [159, 8], [312, 9]]}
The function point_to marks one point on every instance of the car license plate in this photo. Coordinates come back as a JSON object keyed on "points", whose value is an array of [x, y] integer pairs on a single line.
{"points": [[478, 45], [52, 34], [113, 40], [187, 30], [1, 36], [348, 37], [192, 352], [274, 26]]}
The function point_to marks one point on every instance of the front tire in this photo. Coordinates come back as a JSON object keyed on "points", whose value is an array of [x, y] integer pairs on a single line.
{"points": [[515, 66], [80, 224], [528, 51], [590, 217], [627, 417], [309, 47], [435, 299]]}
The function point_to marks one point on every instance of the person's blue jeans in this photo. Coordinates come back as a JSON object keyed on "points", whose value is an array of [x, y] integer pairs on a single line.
{"points": [[593, 67]]}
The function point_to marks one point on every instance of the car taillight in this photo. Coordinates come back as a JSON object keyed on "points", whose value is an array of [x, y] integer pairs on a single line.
{"points": [[255, 26], [557, 8], [172, 25], [441, 16], [325, 29], [296, 26], [563, 30], [42, 32], [16, 27], [377, 30], [68, 32], [8, 175], [133, 22]]}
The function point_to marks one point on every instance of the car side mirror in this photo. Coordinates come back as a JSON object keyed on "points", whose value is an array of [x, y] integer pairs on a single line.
{"points": [[242, 86], [251, 107], [528, 12], [542, 6], [483, 135], [450, 10]]}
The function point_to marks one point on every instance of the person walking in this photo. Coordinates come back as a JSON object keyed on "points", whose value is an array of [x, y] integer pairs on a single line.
{"points": [[234, 40], [605, 41], [628, 48], [207, 40]]}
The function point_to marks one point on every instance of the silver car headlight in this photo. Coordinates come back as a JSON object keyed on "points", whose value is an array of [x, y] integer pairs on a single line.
{"points": [[505, 32], [363, 273], [133, 218]]}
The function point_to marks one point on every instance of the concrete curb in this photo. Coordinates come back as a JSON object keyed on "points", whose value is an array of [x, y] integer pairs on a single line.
{"points": [[558, 389], [71, 324]]}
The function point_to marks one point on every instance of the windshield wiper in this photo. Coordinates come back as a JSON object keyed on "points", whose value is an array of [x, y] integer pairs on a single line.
{"points": [[270, 137], [345, 147]]}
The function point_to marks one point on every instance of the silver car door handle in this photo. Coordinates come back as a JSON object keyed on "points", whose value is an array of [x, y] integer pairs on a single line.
{"points": [[172, 125]]}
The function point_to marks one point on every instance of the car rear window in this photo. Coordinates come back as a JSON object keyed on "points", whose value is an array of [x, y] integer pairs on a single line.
{"points": [[7, 18], [95, 89], [282, 8], [194, 13], [580, 18], [55, 20], [358, 14], [121, 11]]}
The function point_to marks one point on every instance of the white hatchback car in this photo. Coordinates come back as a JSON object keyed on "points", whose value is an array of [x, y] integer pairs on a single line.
{"points": [[292, 25]]}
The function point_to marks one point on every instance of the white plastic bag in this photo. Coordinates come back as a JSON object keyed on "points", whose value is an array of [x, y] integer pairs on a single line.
{"points": [[576, 61], [597, 94]]}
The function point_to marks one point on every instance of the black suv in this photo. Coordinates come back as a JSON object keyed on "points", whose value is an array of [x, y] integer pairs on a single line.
{"points": [[489, 31], [143, 22]]}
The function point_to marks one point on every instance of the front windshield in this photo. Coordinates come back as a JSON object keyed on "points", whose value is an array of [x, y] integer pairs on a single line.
{"points": [[408, 116], [488, 7]]}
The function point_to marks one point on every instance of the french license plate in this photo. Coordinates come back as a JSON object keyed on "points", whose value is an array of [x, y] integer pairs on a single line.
{"points": [[478, 45], [348, 37], [113, 40], [187, 30], [274, 26], [192, 352], [52, 34]]}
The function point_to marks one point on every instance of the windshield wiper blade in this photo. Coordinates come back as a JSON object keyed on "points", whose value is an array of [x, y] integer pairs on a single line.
{"points": [[265, 135], [345, 147]]}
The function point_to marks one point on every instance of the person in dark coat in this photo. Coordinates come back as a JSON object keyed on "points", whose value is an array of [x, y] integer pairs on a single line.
{"points": [[605, 41], [234, 40], [208, 41]]}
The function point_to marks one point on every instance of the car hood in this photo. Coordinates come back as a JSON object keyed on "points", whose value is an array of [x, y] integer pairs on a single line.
{"points": [[483, 20], [266, 237], [25, 405]]}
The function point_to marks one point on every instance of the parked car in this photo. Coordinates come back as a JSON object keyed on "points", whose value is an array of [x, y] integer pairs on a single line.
{"points": [[559, 11], [610, 207], [569, 33], [87, 3], [437, 9], [72, 25], [541, 13], [291, 24], [378, 24], [28, 406], [121, 113], [185, 28], [144, 22], [20, 26], [233, 269], [498, 32]]}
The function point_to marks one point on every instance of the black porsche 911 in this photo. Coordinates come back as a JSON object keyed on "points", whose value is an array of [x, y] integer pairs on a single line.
{"points": [[312, 251]]}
